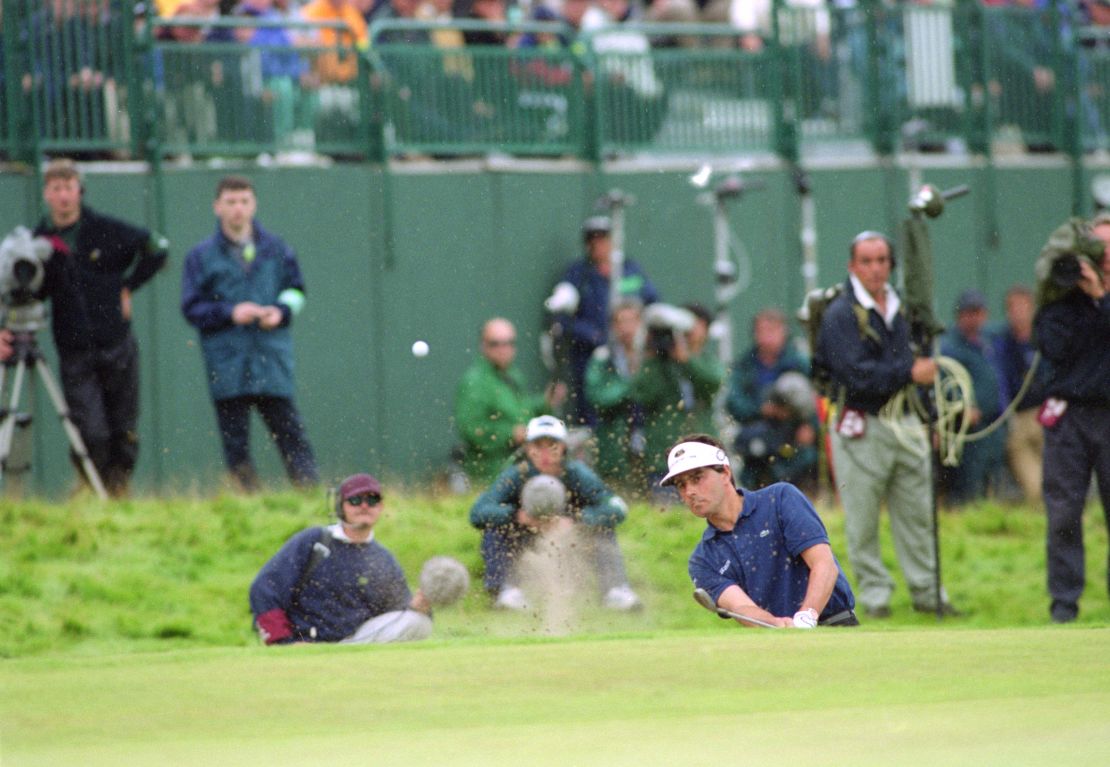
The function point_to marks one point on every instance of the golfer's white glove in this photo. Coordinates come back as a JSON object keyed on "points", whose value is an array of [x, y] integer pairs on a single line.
{"points": [[805, 619]]}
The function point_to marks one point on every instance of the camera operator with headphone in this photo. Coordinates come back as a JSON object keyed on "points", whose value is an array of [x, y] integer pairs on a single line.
{"points": [[1072, 332], [100, 263], [337, 583]]}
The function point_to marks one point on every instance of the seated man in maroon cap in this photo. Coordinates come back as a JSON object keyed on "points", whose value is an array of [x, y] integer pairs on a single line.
{"points": [[337, 583]]}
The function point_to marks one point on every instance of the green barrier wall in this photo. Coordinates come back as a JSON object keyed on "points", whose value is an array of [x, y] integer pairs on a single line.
{"points": [[429, 254]]}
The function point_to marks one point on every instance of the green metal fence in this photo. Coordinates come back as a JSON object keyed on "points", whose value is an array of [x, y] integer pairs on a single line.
{"points": [[457, 89], [68, 75], [680, 88], [1093, 76], [89, 76], [234, 96]]}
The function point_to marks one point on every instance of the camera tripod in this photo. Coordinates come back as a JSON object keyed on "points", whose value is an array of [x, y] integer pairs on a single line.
{"points": [[26, 358]]}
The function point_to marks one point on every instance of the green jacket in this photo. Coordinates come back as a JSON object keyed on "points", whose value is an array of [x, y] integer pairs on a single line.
{"points": [[609, 391], [588, 499], [242, 360], [488, 404], [659, 389]]}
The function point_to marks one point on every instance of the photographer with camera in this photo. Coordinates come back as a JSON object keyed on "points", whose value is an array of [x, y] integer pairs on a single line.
{"points": [[778, 428], [1072, 331], [98, 264], [678, 381]]}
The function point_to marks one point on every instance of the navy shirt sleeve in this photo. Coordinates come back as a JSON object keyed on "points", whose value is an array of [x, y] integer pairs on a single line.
{"points": [[801, 527]]}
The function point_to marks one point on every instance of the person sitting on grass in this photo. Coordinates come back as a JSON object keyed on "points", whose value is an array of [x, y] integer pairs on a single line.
{"points": [[337, 583], [765, 553]]}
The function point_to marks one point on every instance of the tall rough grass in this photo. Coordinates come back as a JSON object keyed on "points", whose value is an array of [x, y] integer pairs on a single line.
{"points": [[91, 577]]}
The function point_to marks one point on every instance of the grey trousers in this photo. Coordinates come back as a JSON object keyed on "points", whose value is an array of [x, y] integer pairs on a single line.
{"points": [[396, 626], [896, 467]]}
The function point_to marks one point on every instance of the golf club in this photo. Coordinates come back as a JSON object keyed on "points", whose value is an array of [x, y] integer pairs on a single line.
{"points": [[701, 596]]}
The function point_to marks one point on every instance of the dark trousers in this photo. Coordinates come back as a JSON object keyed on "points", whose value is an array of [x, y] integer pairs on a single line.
{"points": [[286, 430], [101, 388], [1074, 448]]}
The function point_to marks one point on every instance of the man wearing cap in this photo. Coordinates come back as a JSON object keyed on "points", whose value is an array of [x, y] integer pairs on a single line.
{"points": [[507, 528], [1072, 332], [240, 289], [968, 343], [588, 328], [863, 345], [492, 403], [337, 583], [765, 553]]}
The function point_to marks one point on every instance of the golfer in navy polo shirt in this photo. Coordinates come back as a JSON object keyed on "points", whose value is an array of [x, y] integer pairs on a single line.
{"points": [[765, 553]]}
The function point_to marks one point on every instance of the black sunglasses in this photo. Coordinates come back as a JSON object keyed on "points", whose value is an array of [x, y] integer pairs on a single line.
{"points": [[370, 499]]}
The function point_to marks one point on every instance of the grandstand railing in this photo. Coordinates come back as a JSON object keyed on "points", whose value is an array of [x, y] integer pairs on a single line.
{"points": [[244, 98], [69, 75], [455, 88], [89, 76], [673, 88]]}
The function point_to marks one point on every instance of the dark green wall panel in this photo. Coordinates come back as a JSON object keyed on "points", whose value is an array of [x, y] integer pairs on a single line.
{"points": [[429, 255]]}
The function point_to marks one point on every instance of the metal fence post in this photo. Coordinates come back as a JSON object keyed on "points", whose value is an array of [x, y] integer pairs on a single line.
{"points": [[1068, 124], [879, 125], [593, 126], [16, 112], [786, 101], [977, 63], [370, 122]]}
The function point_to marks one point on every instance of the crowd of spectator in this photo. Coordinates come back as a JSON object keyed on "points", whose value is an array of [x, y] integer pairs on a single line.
{"points": [[294, 82]]}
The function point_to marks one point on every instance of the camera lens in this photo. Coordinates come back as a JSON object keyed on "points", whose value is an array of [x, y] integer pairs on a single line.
{"points": [[1065, 271], [24, 272]]}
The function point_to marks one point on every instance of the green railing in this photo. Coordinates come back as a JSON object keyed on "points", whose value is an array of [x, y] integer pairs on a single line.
{"points": [[1093, 75], [444, 94], [86, 76], [243, 98], [68, 76], [680, 88]]}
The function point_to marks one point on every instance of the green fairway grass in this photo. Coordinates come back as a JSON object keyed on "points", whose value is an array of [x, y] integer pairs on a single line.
{"points": [[975, 697]]}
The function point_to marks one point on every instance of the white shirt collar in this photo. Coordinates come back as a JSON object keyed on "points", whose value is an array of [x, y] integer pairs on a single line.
{"points": [[893, 302], [339, 534]]}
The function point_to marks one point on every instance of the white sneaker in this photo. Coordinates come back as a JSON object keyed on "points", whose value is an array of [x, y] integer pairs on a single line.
{"points": [[622, 598], [511, 598]]}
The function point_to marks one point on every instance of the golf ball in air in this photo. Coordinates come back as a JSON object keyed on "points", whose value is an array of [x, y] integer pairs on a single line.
{"points": [[420, 349]]}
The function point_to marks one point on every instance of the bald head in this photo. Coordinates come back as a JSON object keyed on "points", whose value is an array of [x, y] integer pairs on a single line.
{"points": [[499, 342]]}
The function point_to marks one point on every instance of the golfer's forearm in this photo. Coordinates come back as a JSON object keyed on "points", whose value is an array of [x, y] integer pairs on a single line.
{"points": [[735, 600], [822, 580]]}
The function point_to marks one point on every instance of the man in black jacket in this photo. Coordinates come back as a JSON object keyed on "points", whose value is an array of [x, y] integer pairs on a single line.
{"points": [[864, 345], [98, 263], [1072, 332]]}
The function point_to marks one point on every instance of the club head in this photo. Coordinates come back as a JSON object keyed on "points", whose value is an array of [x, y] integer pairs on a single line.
{"points": [[701, 596]]}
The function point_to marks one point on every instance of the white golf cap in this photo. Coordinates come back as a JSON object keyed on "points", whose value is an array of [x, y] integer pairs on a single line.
{"points": [[546, 426], [688, 456]]}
